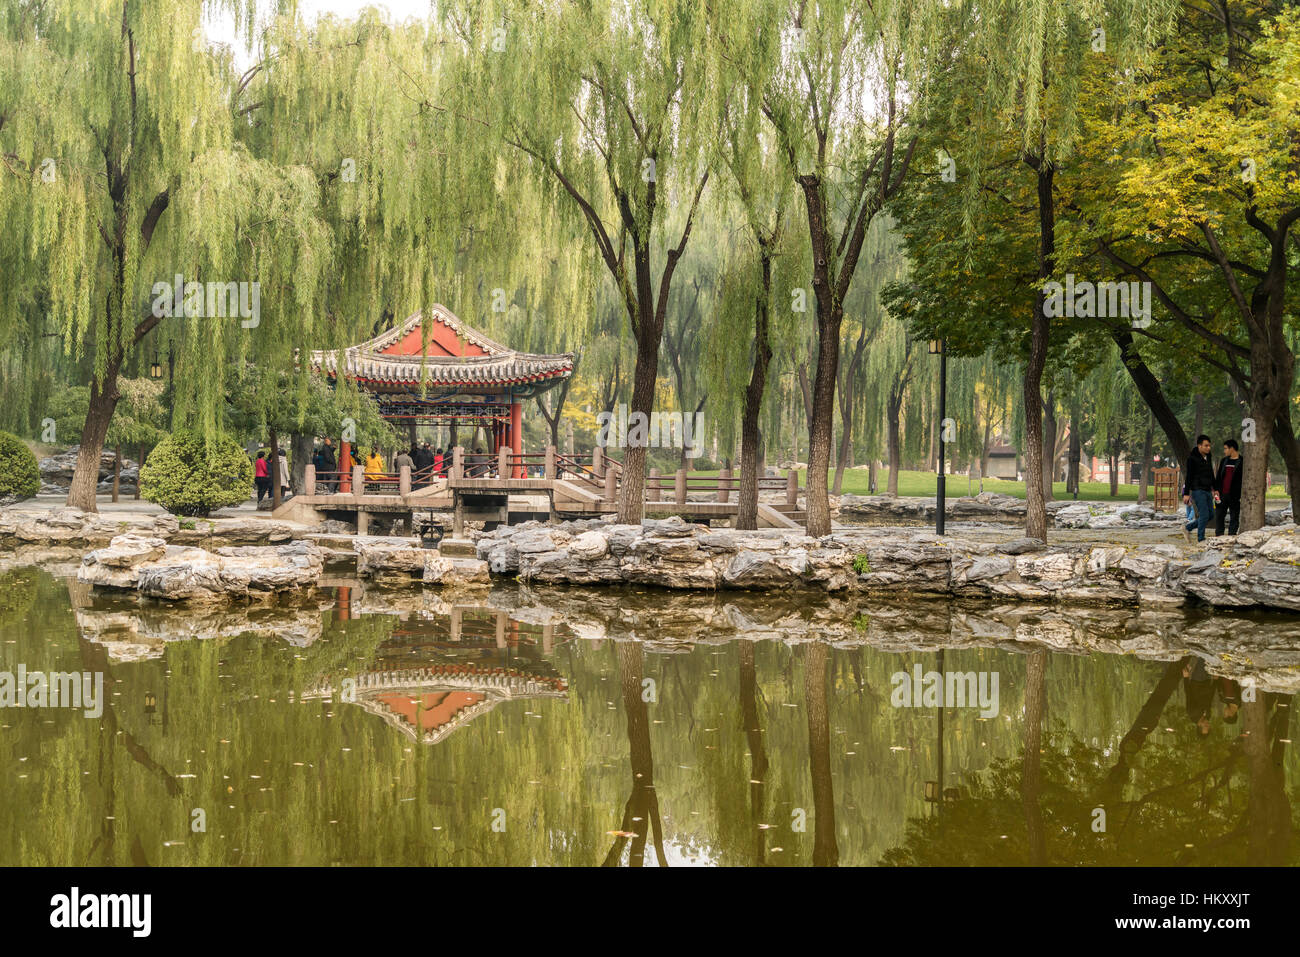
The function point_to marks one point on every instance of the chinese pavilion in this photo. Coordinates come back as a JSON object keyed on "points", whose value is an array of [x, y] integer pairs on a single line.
{"points": [[447, 375]]}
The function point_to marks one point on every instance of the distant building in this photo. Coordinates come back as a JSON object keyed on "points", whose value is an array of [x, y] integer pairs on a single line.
{"points": [[1002, 462], [1100, 470]]}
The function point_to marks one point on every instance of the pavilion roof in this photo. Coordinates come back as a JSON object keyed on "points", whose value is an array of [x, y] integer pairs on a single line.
{"points": [[455, 354]]}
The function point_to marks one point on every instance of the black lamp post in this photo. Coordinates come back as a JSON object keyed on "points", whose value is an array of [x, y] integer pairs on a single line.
{"points": [[937, 349]]}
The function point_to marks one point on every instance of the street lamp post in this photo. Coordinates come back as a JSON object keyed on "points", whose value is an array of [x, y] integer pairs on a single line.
{"points": [[937, 348]]}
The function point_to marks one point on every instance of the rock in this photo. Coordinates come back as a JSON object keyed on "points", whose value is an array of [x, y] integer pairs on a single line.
{"points": [[56, 470], [389, 557], [184, 573], [1022, 546], [754, 569], [1261, 568], [588, 546], [115, 565], [440, 570]]}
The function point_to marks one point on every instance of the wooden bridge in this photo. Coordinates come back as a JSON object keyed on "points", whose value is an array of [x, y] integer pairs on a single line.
{"points": [[554, 487]]}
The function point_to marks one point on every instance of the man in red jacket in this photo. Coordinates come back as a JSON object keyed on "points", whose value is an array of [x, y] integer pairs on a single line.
{"points": [[1227, 489]]}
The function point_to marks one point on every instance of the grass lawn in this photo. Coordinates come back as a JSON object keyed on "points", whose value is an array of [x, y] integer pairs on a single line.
{"points": [[925, 484]]}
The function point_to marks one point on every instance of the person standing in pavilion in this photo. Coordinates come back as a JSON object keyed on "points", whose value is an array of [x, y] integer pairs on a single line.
{"points": [[374, 468]]}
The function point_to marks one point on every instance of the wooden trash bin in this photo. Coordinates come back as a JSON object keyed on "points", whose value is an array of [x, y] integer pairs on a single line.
{"points": [[1165, 489]]}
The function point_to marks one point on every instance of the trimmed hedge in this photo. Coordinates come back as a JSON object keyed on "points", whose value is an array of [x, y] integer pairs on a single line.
{"points": [[190, 476], [20, 476]]}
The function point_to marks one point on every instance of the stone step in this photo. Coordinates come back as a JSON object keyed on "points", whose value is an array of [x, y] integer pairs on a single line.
{"points": [[457, 548]]}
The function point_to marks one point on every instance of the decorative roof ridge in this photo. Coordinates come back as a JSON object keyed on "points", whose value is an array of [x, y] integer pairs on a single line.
{"points": [[373, 348]]}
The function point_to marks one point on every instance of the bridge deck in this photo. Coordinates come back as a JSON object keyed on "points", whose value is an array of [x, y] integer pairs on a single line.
{"points": [[564, 497]]}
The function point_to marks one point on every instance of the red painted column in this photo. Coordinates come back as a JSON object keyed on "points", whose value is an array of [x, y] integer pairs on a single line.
{"points": [[345, 466], [517, 438]]}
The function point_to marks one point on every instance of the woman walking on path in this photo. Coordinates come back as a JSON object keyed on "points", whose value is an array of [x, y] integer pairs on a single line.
{"points": [[261, 475], [284, 474]]}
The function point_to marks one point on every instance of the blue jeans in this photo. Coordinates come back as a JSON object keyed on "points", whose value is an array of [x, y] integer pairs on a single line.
{"points": [[1203, 499]]}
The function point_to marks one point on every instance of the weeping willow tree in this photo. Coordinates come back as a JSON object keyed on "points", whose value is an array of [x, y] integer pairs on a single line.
{"points": [[599, 106], [762, 272], [839, 100], [121, 156]]}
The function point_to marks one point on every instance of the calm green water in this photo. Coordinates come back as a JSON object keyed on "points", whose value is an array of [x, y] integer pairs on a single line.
{"points": [[517, 727]]}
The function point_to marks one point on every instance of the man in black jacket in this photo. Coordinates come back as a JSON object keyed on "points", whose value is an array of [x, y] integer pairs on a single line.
{"points": [[328, 463], [1227, 489], [1198, 487], [423, 459]]}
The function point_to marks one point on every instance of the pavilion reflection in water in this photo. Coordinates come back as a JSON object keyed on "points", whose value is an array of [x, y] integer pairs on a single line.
{"points": [[437, 673]]}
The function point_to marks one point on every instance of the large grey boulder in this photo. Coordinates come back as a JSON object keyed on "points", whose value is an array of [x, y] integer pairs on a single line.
{"points": [[183, 573], [1260, 568]]}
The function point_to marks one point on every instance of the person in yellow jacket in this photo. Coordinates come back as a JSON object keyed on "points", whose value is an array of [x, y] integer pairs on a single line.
{"points": [[374, 467]]}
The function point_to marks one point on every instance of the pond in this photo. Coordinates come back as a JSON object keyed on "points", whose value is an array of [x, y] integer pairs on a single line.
{"points": [[509, 726]]}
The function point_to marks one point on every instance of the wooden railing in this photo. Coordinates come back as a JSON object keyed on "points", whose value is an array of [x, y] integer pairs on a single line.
{"points": [[600, 473]]}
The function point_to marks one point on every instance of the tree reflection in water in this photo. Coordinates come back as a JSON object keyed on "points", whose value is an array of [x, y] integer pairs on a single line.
{"points": [[531, 703]]}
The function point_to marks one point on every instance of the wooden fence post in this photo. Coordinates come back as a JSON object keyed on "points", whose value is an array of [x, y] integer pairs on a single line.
{"points": [[679, 487]]}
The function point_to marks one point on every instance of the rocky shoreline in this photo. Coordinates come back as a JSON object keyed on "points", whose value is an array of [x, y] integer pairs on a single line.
{"points": [[668, 623], [161, 556], [1007, 509]]}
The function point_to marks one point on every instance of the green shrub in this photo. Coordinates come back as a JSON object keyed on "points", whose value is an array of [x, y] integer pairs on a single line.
{"points": [[20, 477], [190, 476]]}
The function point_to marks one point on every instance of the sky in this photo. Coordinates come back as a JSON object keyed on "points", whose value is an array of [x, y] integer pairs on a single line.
{"points": [[222, 29]]}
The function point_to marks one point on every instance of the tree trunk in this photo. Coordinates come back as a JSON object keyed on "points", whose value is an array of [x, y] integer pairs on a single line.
{"points": [[300, 449], [1145, 474], [1076, 447], [275, 471], [1035, 500], [826, 851], [631, 507], [1152, 393], [1112, 460], [117, 471], [750, 439], [1031, 781], [99, 413], [892, 442], [749, 717], [139, 464], [1050, 427], [1286, 443], [1254, 481], [1268, 808]]}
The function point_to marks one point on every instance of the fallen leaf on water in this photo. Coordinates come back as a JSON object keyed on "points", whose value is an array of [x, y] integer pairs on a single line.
{"points": [[621, 833]]}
